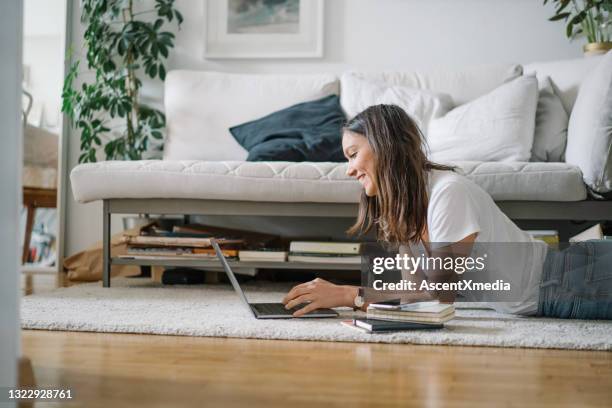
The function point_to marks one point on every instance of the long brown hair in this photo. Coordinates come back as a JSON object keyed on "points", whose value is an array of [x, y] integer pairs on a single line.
{"points": [[399, 208]]}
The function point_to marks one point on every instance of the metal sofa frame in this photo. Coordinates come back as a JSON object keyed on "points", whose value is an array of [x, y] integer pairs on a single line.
{"points": [[588, 210]]}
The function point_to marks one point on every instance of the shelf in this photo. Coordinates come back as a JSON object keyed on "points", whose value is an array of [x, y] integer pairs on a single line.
{"points": [[203, 263], [30, 268]]}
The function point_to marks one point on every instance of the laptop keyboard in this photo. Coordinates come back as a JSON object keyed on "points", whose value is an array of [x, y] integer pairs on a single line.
{"points": [[276, 308]]}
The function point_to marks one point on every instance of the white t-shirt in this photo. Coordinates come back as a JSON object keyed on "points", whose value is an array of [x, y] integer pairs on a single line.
{"points": [[458, 208]]}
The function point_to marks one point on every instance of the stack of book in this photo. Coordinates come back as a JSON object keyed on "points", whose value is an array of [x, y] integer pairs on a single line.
{"points": [[551, 237], [384, 317], [419, 312], [325, 252], [178, 242]]}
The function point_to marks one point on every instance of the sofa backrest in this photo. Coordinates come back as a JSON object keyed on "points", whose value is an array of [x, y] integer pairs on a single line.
{"points": [[566, 76], [201, 106], [462, 84]]}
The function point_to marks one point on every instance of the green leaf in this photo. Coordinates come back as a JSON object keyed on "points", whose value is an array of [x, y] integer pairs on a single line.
{"points": [[559, 17], [162, 72], [123, 45], [109, 149], [578, 17], [163, 50], [569, 29], [179, 17]]}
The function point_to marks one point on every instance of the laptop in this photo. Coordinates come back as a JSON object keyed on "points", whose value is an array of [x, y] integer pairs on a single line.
{"points": [[266, 310]]}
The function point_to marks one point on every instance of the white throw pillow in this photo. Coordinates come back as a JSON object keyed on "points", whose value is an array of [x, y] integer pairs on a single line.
{"points": [[550, 134], [201, 106], [357, 94], [589, 137], [497, 126]]}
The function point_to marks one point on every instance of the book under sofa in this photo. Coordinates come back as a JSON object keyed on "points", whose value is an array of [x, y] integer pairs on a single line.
{"points": [[204, 170]]}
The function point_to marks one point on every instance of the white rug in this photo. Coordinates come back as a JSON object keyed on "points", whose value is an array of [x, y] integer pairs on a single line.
{"points": [[137, 306]]}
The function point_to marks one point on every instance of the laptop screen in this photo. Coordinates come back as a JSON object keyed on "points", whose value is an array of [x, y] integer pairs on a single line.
{"points": [[230, 274]]}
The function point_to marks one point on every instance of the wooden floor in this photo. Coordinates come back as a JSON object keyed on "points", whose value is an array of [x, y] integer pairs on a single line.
{"points": [[162, 371]]}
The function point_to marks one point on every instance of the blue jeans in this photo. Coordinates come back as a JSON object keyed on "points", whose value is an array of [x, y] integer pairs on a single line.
{"points": [[577, 282]]}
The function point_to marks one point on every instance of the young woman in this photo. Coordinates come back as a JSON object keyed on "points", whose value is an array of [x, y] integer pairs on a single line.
{"points": [[410, 200]]}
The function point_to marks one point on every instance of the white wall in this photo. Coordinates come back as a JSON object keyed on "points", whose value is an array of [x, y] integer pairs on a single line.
{"points": [[367, 35], [43, 54], [10, 182]]}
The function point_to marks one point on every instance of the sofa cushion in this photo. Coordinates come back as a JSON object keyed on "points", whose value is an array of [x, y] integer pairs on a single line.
{"points": [[462, 84], [421, 105], [201, 106], [550, 136], [497, 126], [309, 131], [589, 137], [566, 76], [300, 182]]}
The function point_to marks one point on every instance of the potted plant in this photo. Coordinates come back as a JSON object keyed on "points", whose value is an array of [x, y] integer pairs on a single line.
{"points": [[121, 49], [123, 46], [589, 18]]}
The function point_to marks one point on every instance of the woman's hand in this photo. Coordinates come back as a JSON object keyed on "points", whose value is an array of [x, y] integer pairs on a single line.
{"points": [[319, 293]]}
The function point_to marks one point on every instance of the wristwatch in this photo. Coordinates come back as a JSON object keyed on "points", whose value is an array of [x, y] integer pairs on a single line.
{"points": [[358, 302]]}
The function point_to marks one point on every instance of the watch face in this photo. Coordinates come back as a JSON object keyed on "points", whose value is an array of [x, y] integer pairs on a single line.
{"points": [[359, 301]]}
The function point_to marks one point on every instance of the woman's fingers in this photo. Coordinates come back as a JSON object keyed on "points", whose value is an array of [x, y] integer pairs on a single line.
{"points": [[291, 294], [300, 299], [295, 292], [304, 288], [306, 309]]}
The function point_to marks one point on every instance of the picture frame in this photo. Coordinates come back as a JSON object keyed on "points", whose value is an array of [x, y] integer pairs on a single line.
{"points": [[292, 29]]}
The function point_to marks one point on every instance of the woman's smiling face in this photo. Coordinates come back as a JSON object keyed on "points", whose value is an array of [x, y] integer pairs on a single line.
{"points": [[361, 160]]}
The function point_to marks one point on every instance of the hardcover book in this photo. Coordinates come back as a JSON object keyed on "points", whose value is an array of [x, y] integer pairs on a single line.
{"points": [[322, 247]]}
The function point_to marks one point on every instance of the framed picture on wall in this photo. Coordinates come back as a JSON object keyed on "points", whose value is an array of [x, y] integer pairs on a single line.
{"points": [[264, 29]]}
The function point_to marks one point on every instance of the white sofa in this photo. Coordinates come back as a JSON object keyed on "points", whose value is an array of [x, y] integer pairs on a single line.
{"points": [[204, 169]]}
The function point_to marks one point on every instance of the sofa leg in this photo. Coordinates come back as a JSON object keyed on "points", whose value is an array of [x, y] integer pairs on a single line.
{"points": [[106, 218]]}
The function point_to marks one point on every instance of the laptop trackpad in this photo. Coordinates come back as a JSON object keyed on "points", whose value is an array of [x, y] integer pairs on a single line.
{"points": [[277, 310]]}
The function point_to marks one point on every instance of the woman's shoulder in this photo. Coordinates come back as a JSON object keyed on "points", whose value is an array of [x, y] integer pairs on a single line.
{"points": [[441, 180], [454, 188]]}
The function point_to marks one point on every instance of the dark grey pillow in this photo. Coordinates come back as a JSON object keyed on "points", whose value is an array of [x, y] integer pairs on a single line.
{"points": [[309, 131], [551, 123]]}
